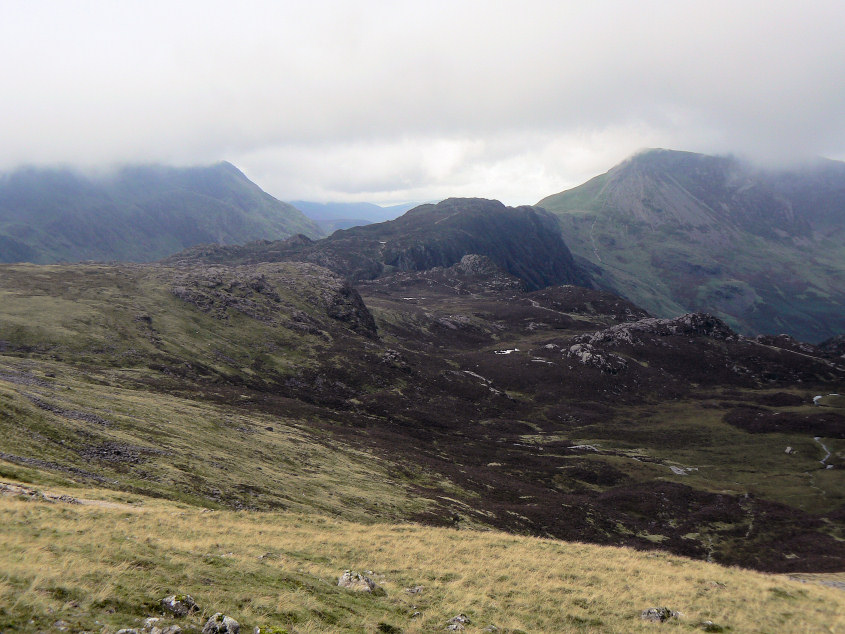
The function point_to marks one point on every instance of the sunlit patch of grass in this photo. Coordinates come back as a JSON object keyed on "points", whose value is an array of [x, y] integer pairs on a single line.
{"points": [[88, 564]]}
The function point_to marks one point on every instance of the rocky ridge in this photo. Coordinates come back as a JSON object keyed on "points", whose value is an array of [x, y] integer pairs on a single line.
{"points": [[522, 241]]}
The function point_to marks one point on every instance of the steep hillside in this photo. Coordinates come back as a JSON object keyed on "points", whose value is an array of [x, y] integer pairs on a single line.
{"points": [[449, 396], [677, 232], [137, 213], [524, 241]]}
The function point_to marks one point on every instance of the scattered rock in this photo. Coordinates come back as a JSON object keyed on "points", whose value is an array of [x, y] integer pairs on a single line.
{"points": [[357, 582], [221, 624], [659, 615], [691, 324], [394, 359], [586, 354], [414, 590], [457, 623], [128, 630], [710, 626], [179, 604], [62, 626], [269, 630]]}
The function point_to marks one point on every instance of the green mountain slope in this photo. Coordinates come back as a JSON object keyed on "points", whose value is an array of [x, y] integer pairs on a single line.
{"points": [[677, 232], [138, 213]]}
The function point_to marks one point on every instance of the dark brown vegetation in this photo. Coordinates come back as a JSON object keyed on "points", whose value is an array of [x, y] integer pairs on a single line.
{"points": [[564, 412]]}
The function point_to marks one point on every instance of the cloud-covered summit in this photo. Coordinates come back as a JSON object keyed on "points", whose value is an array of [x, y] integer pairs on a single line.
{"points": [[399, 100]]}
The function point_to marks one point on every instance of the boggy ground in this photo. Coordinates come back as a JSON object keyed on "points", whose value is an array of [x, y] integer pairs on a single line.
{"points": [[450, 396]]}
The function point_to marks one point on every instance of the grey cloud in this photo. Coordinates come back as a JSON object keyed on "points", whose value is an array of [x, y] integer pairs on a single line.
{"points": [[392, 99]]}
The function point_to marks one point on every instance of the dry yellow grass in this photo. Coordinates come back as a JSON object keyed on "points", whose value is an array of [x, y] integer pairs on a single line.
{"points": [[103, 567]]}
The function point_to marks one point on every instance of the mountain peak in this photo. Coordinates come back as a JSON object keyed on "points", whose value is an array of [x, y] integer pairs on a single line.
{"points": [[680, 232], [135, 213]]}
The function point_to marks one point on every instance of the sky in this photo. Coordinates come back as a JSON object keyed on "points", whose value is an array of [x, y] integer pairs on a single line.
{"points": [[398, 101]]}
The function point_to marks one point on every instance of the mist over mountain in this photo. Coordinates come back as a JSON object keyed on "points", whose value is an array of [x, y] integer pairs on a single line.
{"points": [[676, 231], [136, 213], [334, 216]]}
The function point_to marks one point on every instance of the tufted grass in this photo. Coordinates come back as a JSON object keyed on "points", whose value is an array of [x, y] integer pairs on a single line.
{"points": [[104, 566]]}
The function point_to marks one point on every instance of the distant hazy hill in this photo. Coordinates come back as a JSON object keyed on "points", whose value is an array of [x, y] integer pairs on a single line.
{"points": [[137, 213], [523, 241], [676, 231], [334, 216]]}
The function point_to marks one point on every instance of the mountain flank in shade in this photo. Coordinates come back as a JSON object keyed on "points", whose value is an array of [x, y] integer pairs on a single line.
{"points": [[678, 232], [523, 241]]}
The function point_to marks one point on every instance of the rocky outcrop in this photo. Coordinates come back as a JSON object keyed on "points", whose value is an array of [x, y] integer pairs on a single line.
{"points": [[691, 324], [344, 304], [221, 624], [474, 274], [524, 242], [458, 623], [258, 292], [179, 604], [357, 582], [659, 615], [586, 354], [486, 273]]}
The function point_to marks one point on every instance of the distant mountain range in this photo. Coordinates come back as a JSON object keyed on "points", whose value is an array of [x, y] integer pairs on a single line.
{"points": [[137, 213], [676, 232], [671, 231], [333, 216]]}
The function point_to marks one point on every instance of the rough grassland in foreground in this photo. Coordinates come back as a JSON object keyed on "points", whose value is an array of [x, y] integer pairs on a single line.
{"points": [[104, 567]]}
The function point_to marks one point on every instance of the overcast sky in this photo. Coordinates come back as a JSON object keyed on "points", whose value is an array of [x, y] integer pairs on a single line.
{"points": [[396, 101]]}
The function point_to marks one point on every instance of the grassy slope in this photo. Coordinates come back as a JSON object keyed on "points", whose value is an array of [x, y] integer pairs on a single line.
{"points": [[112, 378], [753, 283], [92, 428], [103, 567]]}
